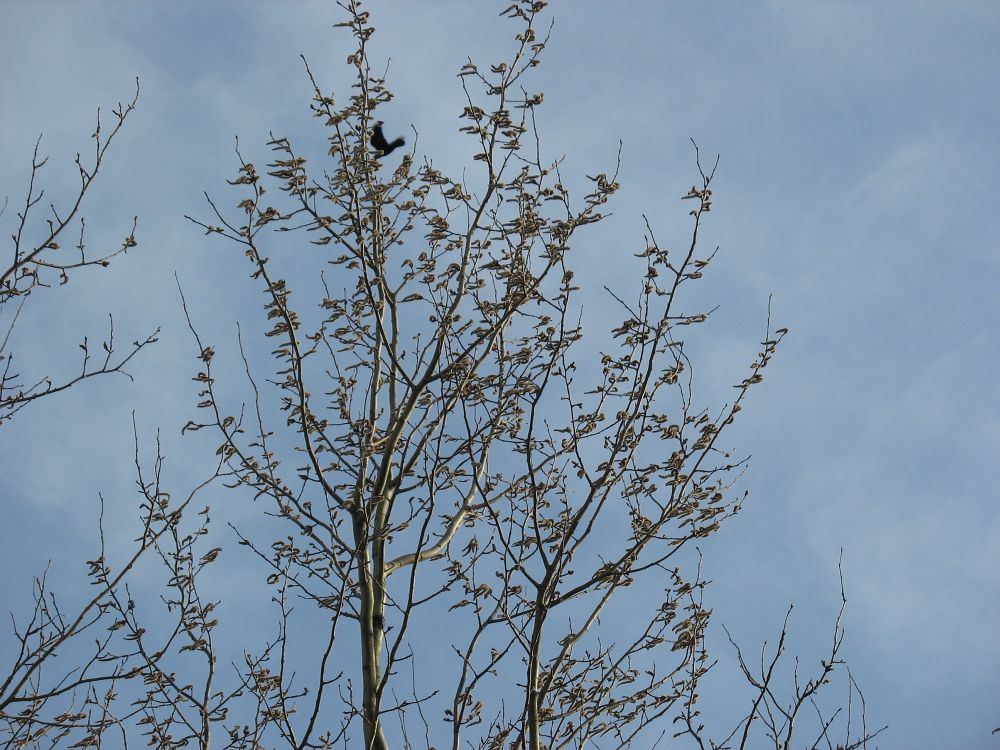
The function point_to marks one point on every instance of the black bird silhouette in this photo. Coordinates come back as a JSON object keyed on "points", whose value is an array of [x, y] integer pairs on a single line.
{"points": [[381, 144]]}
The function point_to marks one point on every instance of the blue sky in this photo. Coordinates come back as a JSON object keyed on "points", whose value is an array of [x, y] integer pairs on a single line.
{"points": [[857, 185]]}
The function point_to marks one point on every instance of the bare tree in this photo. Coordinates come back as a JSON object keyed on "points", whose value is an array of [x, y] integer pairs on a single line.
{"points": [[462, 498], [38, 259]]}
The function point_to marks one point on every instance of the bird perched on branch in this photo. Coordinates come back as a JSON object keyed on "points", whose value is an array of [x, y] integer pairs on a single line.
{"points": [[379, 143]]}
